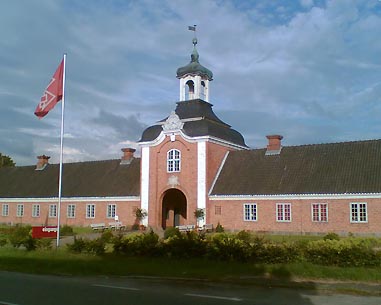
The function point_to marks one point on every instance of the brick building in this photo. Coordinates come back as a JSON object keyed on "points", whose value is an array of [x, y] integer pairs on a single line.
{"points": [[191, 161]]}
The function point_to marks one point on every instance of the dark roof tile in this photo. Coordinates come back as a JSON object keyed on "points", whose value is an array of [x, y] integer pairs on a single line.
{"points": [[336, 168], [82, 179]]}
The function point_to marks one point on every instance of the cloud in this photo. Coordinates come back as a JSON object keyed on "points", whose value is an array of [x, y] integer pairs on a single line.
{"points": [[308, 70], [306, 3]]}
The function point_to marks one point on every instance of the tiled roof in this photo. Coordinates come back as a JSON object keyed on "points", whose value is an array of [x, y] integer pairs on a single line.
{"points": [[337, 168], [90, 179]]}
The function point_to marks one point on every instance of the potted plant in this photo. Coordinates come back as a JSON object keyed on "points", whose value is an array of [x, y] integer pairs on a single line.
{"points": [[199, 215], [140, 214]]}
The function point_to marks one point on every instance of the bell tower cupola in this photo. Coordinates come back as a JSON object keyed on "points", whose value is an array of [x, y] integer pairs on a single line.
{"points": [[194, 78]]}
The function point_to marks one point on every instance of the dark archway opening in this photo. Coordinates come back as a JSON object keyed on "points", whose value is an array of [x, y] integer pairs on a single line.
{"points": [[189, 93], [174, 208]]}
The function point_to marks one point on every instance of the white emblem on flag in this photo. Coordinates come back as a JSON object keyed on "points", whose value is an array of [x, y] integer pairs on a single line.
{"points": [[48, 97]]}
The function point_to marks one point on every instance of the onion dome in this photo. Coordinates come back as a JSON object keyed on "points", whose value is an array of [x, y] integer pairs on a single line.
{"points": [[194, 67]]}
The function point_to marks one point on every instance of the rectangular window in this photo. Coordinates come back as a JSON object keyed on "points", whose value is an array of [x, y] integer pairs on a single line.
{"points": [[111, 210], [90, 210], [71, 211], [52, 210], [319, 212], [20, 210], [5, 210], [250, 211], [359, 212], [217, 210], [173, 160], [283, 212], [35, 210]]}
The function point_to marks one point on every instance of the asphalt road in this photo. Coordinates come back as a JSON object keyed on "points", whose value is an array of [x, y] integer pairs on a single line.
{"points": [[25, 289]]}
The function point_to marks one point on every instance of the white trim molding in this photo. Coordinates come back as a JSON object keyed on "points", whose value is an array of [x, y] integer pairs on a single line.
{"points": [[294, 196], [71, 199], [145, 181], [201, 178]]}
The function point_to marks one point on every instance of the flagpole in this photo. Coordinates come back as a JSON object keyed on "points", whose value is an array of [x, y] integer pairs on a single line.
{"points": [[61, 150]]}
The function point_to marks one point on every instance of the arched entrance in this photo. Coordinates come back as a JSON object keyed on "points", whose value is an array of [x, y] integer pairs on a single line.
{"points": [[174, 208]]}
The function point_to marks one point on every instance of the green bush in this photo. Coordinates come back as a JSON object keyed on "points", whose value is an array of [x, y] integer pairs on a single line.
{"points": [[145, 244], [219, 228], [3, 241], [81, 245], [66, 230], [345, 252], [107, 236], [44, 243], [96, 246], [228, 248], [30, 243], [118, 244], [331, 236], [245, 236], [20, 236], [171, 231], [78, 246], [185, 245], [277, 253]]}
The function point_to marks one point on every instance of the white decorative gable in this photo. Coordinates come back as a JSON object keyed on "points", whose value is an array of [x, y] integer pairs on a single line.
{"points": [[173, 123]]}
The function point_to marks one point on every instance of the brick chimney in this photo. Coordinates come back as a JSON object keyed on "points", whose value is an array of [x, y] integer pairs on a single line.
{"points": [[42, 162], [128, 155], [275, 145]]}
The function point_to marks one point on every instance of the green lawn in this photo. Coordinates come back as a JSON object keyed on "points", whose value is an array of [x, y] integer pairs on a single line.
{"points": [[62, 262]]}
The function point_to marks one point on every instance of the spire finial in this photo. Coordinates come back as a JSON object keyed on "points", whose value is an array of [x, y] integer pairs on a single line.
{"points": [[194, 56]]}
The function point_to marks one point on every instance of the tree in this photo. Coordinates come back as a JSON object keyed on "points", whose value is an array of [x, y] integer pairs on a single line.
{"points": [[6, 161]]}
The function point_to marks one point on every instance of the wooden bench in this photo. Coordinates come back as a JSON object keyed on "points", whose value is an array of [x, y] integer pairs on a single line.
{"points": [[208, 227], [98, 226], [186, 228], [117, 225]]}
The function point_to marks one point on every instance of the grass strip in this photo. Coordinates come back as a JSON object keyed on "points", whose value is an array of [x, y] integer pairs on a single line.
{"points": [[61, 262]]}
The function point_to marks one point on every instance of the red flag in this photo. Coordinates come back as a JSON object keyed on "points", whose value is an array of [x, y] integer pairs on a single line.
{"points": [[53, 93]]}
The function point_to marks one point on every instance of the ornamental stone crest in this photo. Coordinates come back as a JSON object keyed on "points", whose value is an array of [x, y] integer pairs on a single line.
{"points": [[173, 181], [173, 123]]}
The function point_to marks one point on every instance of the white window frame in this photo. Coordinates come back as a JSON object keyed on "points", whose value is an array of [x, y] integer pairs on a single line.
{"points": [[250, 212], [282, 217], [52, 211], [71, 211], [20, 210], [355, 212], [319, 208], [111, 210], [173, 161], [36, 209], [90, 210], [5, 209]]}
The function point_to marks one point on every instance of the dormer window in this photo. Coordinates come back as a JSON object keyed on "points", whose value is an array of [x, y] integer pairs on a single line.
{"points": [[190, 90], [173, 160]]}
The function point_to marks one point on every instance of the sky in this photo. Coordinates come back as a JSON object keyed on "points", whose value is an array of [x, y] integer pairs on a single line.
{"points": [[309, 70]]}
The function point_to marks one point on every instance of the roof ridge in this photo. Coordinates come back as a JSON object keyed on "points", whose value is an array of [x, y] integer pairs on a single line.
{"points": [[78, 162], [332, 143], [322, 144]]}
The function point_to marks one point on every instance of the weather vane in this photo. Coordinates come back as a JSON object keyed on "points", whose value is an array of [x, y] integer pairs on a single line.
{"points": [[193, 28]]}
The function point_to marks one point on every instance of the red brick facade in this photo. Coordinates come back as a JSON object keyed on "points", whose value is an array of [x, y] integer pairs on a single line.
{"points": [[339, 213]]}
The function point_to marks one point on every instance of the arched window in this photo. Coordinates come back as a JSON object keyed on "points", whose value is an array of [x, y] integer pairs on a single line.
{"points": [[173, 161], [190, 90]]}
